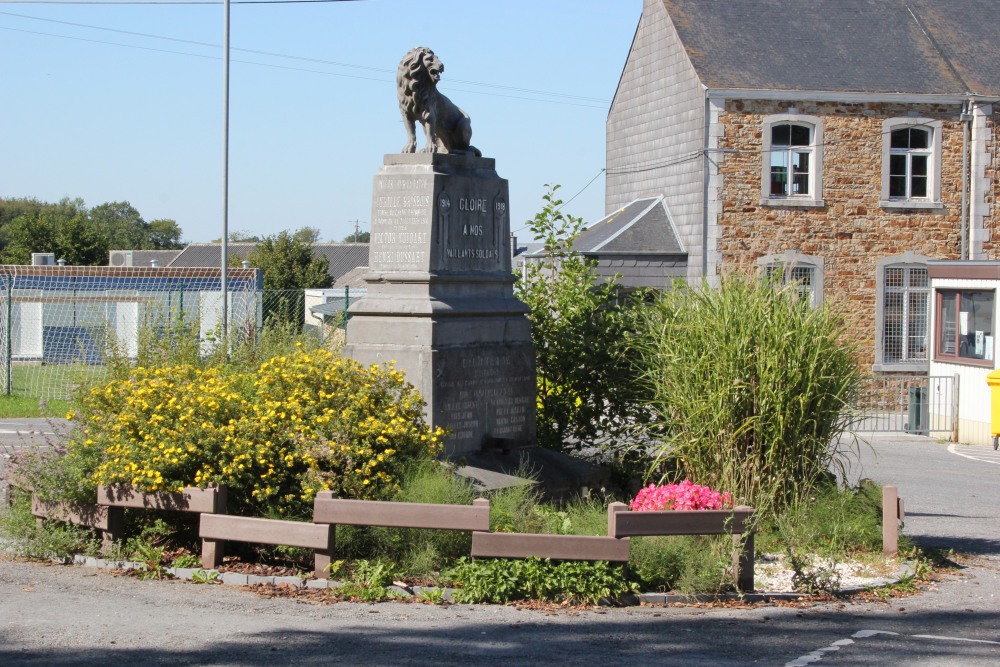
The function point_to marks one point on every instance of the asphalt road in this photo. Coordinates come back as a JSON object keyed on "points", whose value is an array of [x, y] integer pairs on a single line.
{"points": [[60, 615]]}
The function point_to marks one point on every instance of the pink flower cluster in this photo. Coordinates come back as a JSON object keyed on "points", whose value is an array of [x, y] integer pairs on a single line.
{"points": [[683, 496]]}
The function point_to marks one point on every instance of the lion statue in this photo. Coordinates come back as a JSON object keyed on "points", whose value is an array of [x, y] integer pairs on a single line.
{"points": [[447, 128]]}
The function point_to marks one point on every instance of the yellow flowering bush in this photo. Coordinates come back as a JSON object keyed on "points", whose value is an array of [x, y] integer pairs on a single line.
{"points": [[300, 423]]}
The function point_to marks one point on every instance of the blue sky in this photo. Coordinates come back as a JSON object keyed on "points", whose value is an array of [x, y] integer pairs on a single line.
{"points": [[98, 106]]}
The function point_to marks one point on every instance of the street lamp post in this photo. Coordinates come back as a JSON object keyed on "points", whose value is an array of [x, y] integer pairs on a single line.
{"points": [[225, 177]]}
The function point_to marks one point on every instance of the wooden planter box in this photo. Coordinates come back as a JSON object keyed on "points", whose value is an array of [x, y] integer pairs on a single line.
{"points": [[328, 509], [192, 499], [215, 529], [737, 522], [556, 547], [108, 520]]}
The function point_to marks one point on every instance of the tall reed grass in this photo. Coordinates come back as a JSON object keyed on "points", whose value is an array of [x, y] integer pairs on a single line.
{"points": [[750, 386]]}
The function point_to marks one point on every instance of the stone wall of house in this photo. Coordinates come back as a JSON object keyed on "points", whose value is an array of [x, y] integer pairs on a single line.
{"points": [[851, 232]]}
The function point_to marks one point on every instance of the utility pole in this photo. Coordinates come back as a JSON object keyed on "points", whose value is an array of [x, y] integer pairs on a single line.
{"points": [[357, 229]]}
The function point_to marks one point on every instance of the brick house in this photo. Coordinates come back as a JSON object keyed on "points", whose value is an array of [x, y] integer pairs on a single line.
{"points": [[847, 143]]}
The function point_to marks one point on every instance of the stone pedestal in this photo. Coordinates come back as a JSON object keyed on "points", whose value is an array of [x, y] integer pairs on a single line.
{"points": [[440, 300]]}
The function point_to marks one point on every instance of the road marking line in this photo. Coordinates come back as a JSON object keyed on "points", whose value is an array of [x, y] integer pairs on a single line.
{"points": [[819, 654], [957, 639], [991, 458]]}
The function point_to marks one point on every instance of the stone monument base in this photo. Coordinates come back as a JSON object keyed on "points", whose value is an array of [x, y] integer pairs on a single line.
{"points": [[440, 301]]}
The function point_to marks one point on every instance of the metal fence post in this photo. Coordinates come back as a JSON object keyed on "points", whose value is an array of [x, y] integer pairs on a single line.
{"points": [[8, 352], [954, 409]]}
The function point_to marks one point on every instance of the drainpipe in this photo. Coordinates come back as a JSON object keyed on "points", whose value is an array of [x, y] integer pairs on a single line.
{"points": [[966, 119]]}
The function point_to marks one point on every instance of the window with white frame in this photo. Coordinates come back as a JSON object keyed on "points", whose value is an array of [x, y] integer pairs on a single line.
{"points": [[902, 307], [793, 160], [792, 268], [911, 163]]}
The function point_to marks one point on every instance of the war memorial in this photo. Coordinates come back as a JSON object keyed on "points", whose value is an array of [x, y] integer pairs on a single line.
{"points": [[440, 304]]}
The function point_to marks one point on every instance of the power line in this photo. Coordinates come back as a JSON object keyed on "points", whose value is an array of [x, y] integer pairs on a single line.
{"points": [[589, 183], [286, 67], [166, 2], [582, 189], [321, 61]]}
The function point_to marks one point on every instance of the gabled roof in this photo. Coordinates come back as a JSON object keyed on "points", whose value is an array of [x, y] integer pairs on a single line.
{"points": [[342, 257], [643, 227], [210, 254], [868, 46], [145, 257], [354, 279]]}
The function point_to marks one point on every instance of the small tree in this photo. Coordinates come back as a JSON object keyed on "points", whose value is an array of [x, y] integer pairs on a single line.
{"points": [[289, 266], [357, 237], [580, 324]]}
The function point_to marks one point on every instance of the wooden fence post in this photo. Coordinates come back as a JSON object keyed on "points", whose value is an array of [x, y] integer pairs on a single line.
{"points": [[890, 519]]}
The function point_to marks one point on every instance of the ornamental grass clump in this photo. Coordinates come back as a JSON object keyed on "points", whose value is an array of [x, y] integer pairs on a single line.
{"points": [[299, 423], [751, 386]]}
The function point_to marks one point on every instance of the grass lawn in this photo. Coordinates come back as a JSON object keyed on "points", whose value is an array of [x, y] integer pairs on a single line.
{"points": [[12, 407], [44, 390]]}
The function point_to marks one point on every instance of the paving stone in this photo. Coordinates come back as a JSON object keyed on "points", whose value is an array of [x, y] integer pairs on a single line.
{"points": [[234, 578]]}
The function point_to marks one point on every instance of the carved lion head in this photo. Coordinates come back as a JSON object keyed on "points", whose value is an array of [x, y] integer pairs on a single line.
{"points": [[420, 66]]}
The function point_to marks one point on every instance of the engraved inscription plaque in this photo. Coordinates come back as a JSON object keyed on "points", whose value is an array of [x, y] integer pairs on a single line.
{"points": [[440, 300]]}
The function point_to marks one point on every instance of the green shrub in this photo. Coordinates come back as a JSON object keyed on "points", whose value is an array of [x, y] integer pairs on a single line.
{"points": [[53, 540], [688, 564], [418, 553], [580, 323], [829, 523], [274, 435], [503, 580], [512, 508], [750, 387], [367, 581]]}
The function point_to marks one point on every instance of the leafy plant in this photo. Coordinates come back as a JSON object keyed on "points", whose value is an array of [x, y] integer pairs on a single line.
{"points": [[813, 578], [580, 323], [750, 386], [186, 561], [432, 595], [205, 577], [151, 558], [368, 582], [504, 580]]}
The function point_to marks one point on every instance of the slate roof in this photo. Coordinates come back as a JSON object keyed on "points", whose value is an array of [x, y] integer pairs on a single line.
{"points": [[354, 279], [343, 257], [144, 257], [640, 228], [874, 46], [209, 254]]}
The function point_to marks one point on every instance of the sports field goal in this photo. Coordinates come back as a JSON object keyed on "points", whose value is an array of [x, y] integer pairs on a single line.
{"points": [[59, 323]]}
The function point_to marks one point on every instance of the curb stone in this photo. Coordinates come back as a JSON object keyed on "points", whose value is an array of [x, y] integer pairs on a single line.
{"points": [[237, 579]]}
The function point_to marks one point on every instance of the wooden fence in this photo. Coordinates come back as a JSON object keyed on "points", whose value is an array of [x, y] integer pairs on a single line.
{"points": [[216, 527]]}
